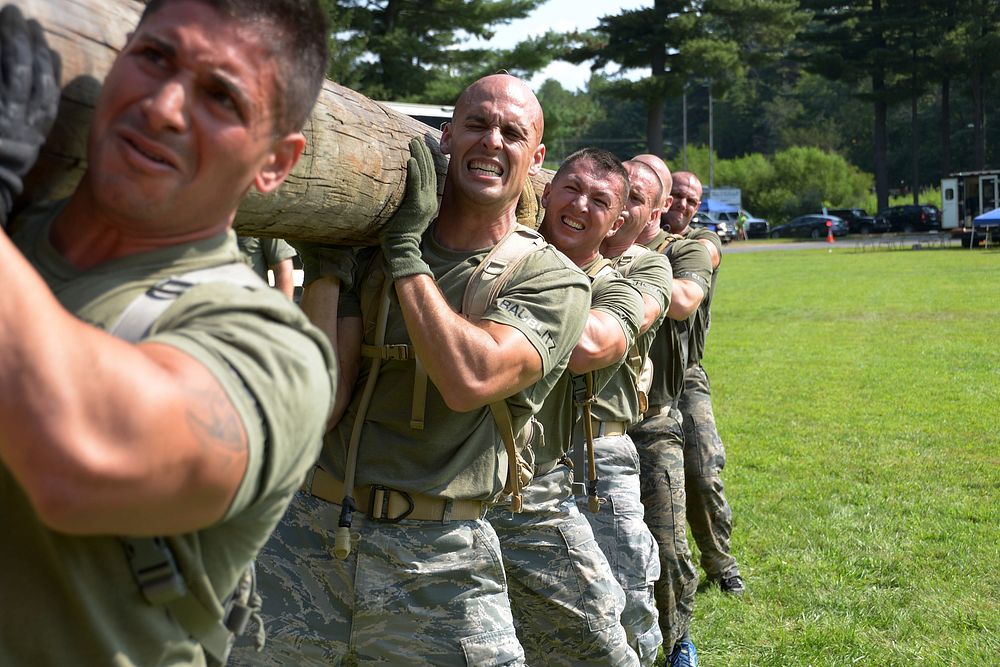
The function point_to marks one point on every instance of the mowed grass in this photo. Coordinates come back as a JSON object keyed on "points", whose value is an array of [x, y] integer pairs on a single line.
{"points": [[858, 395]]}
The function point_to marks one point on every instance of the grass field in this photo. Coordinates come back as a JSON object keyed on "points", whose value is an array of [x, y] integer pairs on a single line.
{"points": [[858, 395]]}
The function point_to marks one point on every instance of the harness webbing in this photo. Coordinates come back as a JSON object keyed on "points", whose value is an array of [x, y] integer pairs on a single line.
{"points": [[168, 571]]}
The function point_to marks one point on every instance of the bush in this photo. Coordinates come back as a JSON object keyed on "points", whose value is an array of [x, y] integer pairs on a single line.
{"points": [[792, 182]]}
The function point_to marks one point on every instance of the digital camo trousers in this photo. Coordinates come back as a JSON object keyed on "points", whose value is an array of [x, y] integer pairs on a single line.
{"points": [[660, 443], [567, 604], [410, 593], [708, 513], [625, 539]]}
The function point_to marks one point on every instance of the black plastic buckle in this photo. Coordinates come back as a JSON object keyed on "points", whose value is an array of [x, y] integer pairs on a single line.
{"points": [[381, 512], [155, 570]]}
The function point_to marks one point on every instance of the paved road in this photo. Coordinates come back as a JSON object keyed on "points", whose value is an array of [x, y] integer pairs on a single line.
{"points": [[855, 243]]}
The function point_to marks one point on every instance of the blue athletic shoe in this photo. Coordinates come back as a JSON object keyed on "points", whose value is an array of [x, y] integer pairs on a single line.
{"points": [[683, 655]]}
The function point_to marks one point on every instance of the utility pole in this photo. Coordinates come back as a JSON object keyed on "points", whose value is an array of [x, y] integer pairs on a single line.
{"points": [[711, 143], [684, 124]]}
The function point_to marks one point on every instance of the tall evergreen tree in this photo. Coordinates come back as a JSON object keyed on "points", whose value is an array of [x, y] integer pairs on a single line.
{"points": [[409, 51]]}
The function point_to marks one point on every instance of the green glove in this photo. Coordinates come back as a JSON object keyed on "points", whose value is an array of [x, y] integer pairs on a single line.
{"points": [[29, 99], [327, 261], [401, 234]]}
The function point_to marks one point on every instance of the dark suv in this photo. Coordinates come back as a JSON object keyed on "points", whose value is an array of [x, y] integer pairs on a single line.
{"points": [[911, 218], [859, 222]]}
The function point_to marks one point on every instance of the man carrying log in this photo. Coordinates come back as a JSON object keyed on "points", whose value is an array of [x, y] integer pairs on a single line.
{"points": [[621, 532], [408, 472], [567, 603], [708, 511], [160, 403], [659, 437]]}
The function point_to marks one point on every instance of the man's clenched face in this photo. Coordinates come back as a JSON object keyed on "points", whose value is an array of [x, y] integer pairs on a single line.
{"points": [[582, 208], [494, 140], [687, 198]]}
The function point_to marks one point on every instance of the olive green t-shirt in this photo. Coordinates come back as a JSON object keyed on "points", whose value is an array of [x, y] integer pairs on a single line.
{"points": [[689, 260], [703, 318], [650, 273], [617, 297], [263, 253], [457, 455], [72, 600]]}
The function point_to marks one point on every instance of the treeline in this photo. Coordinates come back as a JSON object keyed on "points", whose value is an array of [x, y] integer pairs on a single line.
{"points": [[897, 89]]}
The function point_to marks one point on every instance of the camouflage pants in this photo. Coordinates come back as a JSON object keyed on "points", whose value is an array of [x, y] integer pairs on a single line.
{"points": [[708, 513], [626, 541], [412, 592], [567, 604], [660, 443]]}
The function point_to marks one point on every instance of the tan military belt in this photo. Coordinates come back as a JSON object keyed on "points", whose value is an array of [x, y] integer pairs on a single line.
{"points": [[384, 504], [605, 429]]}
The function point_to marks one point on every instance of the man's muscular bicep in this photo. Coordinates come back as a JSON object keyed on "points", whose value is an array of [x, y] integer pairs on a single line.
{"points": [[516, 363]]}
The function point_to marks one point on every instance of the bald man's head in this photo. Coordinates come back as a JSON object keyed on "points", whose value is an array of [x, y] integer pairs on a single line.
{"points": [[505, 86], [663, 171], [494, 142]]}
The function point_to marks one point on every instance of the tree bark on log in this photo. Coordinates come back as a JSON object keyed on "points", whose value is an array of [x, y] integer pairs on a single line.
{"points": [[349, 181]]}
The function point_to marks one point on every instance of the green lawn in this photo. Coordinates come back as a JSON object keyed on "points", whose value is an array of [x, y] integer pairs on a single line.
{"points": [[858, 395]]}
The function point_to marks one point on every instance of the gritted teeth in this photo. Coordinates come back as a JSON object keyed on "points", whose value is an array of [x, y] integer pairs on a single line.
{"points": [[569, 222], [488, 167]]}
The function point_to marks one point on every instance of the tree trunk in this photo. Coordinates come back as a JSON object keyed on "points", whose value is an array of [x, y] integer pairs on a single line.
{"points": [[881, 114], [349, 181], [978, 118], [946, 125]]}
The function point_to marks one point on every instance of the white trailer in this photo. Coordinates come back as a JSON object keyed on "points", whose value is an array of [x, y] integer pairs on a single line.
{"points": [[965, 195]]}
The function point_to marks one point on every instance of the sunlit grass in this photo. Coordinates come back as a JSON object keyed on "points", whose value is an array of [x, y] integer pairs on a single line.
{"points": [[858, 395]]}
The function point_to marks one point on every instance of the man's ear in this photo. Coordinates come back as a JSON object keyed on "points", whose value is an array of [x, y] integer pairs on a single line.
{"points": [[544, 199], [445, 142], [284, 156], [654, 215], [616, 225], [537, 159]]}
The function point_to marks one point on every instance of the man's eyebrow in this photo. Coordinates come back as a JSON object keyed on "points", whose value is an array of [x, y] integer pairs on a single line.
{"points": [[233, 87], [168, 48]]}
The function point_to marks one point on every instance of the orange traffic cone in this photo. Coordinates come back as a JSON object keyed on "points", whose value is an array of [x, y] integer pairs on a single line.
{"points": [[829, 233]]}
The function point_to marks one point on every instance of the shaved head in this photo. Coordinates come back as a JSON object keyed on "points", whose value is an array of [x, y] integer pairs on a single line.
{"points": [[509, 88], [663, 171]]}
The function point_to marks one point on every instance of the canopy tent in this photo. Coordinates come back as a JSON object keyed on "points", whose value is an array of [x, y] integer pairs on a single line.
{"points": [[715, 206], [990, 217]]}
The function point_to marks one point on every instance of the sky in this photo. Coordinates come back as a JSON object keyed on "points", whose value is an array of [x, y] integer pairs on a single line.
{"points": [[561, 16]]}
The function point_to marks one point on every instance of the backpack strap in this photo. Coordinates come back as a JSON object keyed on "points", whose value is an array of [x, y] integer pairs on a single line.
{"points": [[624, 264], [342, 540], [169, 573], [482, 290], [666, 243], [134, 322], [495, 270], [584, 398]]}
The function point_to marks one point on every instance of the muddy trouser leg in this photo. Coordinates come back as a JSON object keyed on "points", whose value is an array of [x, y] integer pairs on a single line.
{"points": [[660, 443], [410, 593], [567, 604], [708, 513], [625, 539]]}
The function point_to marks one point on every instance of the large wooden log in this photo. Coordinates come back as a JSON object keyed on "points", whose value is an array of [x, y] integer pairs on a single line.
{"points": [[350, 179]]}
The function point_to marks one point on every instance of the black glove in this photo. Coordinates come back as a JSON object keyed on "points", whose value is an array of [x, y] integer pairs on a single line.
{"points": [[327, 261], [29, 99], [402, 232]]}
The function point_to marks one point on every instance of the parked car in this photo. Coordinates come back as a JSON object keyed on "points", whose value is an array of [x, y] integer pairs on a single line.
{"points": [[717, 222], [810, 226], [911, 218], [756, 228], [859, 222]]}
